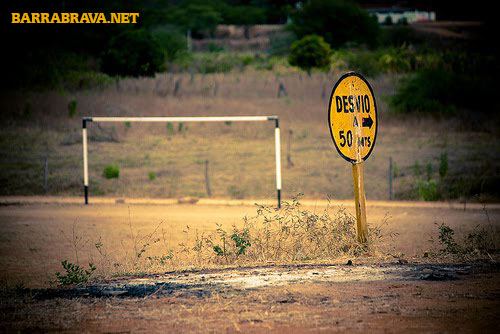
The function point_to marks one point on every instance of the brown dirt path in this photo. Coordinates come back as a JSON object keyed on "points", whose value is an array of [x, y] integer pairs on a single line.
{"points": [[465, 303], [34, 238]]}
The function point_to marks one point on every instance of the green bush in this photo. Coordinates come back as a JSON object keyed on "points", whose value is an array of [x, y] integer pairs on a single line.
{"points": [[111, 171], [363, 61], [75, 274], [427, 91], [133, 53], [397, 36], [200, 18], [447, 83], [337, 21], [310, 52], [151, 176], [397, 60], [172, 40], [427, 190]]}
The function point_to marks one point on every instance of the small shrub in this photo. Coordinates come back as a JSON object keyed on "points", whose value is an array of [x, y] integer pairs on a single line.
{"points": [[128, 125], [447, 239], [151, 176], [170, 128], [111, 171], [133, 53], [171, 40], [365, 62], [428, 190], [479, 241], [397, 60], [240, 238], [310, 52], [213, 47], [75, 274]]}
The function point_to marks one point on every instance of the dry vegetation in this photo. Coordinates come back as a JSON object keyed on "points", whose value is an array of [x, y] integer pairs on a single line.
{"points": [[241, 156], [288, 235]]}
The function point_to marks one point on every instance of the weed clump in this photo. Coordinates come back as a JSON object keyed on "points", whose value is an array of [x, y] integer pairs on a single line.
{"points": [[111, 171], [479, 242], [290, 233], [293, 234], [75, 274]]}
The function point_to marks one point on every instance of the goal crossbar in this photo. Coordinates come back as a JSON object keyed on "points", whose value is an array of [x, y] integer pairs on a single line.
{"points": [[85, 120]]}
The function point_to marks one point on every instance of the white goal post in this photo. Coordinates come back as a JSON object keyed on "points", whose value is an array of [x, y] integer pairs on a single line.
{"points": [[86, 120]]}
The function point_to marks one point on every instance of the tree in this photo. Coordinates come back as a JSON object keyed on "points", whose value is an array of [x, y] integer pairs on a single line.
{"points": [[310, 52], [337, 21], [171, 40], [133, 53], [200, 18]]}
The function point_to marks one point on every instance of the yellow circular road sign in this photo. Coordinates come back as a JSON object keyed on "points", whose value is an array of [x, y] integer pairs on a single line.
{"points": [[352, 117]]}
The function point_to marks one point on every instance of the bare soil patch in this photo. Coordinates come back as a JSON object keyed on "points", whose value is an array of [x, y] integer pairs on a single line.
{"points": [[384, 298]]}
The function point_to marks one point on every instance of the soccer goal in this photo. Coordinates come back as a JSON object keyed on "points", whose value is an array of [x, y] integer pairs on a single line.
{"points": [[86, 120]]}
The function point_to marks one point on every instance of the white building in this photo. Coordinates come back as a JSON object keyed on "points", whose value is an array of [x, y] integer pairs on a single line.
{"points": [[399, 15]]}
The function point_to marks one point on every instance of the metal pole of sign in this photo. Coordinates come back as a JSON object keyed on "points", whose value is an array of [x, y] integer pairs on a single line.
{"points": [[85, 162], [278, 161], [360, 201]]}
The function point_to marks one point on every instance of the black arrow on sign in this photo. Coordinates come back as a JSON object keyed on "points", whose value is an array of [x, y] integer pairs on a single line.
{"points": [[368, 122]]}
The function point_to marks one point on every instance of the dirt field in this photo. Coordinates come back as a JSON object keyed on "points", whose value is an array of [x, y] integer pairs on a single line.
{"points": [[37, 237], [241, 155], [404, 291]]}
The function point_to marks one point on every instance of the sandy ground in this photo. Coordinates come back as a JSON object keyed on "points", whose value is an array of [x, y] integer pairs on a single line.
{"points": [[35, 238], [390, 298], [380, 296]]}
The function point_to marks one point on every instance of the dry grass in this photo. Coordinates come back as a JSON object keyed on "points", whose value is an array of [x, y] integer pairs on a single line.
{"points": [[241, 155], [285, 235]]}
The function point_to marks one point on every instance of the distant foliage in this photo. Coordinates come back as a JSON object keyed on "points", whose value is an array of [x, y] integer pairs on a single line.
{"points": [[172, 40], [428, 190], [280, 43], [134, 53], [398, 35], [443, 164], [72, 108], [450, 82], [310, 52], [338, 21], [201, 18]]}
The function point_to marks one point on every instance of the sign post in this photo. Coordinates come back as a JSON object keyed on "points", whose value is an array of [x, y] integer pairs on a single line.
{"points": [[353, 122]]}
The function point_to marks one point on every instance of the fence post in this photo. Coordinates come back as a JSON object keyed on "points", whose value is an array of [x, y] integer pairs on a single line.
{"points": [[177, 88], [289, 163], [207, 180], [216, 88], [282, 90], [391, 174]]}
